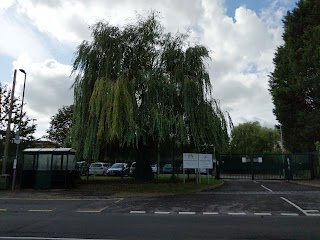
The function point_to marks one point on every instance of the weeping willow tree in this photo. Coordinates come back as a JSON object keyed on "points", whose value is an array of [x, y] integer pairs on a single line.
{"points": [[138, 85]]}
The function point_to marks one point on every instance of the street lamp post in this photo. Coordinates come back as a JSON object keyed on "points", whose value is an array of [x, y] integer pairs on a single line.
{"points": [[18, 133], [6, 147]]}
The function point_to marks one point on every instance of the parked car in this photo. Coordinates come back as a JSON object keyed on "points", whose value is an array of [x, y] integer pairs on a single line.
{"points": [[132, 171], [118, 169], [154, 168], [99, 168], [167, 168]]}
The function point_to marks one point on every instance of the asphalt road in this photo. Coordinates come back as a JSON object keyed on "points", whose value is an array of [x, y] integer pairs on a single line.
{"points": [[236, 210]]}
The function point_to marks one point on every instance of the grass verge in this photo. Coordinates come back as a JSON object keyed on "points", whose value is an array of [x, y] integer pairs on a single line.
{"points": [[159, 186]]}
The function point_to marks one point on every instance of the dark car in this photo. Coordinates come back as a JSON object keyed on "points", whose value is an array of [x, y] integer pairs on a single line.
{"points": [[167, 168], [118, 169]]}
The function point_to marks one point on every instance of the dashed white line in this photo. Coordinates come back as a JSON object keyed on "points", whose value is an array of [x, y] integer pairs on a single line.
{"points": [[3, 210], [255, 181], [210, 213], [40, 210], [236, 213], [312, 211], [159, 212], [289, 214], [138, 212], [266, 188], [262, 214], [187, 213]]}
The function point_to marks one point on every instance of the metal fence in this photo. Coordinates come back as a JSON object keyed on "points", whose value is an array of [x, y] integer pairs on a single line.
{"points": [[267, 166]]}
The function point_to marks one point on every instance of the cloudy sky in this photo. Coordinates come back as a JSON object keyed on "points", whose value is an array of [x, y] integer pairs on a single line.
{"points": [[41, 37]]}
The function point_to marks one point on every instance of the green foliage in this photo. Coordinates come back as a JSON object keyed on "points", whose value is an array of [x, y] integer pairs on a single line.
{"points": [[138, 86], [251, 138], [294, 84], [60, 126], [27, 129]]}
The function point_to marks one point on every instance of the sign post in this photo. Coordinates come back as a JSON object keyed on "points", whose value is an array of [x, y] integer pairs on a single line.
{"points": [[197, 161]]}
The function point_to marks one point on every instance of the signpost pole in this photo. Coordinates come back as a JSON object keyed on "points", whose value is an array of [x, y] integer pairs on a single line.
{"points": [[184, 176]]}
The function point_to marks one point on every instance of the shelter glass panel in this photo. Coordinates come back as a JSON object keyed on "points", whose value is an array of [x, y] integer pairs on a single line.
{"points": [[28, 162], [44, 162], [56, 162]]}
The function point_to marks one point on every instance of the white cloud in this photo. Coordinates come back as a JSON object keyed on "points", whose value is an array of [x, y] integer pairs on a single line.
{"points": [[47, 89], [4, 4], [19, 38]]}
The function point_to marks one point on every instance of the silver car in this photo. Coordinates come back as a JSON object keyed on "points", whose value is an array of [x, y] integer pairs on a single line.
{"points": [[99, 168]]}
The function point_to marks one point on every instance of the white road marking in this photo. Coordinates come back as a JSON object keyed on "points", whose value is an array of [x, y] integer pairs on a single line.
{"points": [[267, 188], [46, 238], [139, 212], [3, 210], [312, 211], [187, 213], [41, 210], [295, 205], [120, 199], [255, 181], [262, 214], [289, 214], [92, 211], [162, 212], [210, 213], [236, 213]]}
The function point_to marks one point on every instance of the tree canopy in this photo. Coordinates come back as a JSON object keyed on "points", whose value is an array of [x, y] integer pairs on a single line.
{"points": [[251, 137], [295, 82], [137, 85], [60, 126]]}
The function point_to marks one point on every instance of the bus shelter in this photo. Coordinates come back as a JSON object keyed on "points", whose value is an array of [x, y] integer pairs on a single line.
{"points": [[45, 168]]}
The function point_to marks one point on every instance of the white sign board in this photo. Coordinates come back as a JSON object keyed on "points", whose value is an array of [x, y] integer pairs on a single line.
{"points": [[205, 161], [195, 160], [190, 160]]}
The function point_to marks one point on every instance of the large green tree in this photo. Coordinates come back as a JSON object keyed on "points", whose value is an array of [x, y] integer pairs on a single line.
{"points": [[251, 137], [60, 127], [139, 87], [295, 82]]}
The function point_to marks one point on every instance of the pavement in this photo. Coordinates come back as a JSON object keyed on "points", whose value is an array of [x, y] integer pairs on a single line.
{"points": [[314, 182]]}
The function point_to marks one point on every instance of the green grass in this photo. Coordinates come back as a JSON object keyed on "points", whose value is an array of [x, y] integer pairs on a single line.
{"points": [[162, 185]]}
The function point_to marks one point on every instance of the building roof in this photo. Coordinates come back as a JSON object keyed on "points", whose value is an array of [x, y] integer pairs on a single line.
{"points": [[49, 150]]}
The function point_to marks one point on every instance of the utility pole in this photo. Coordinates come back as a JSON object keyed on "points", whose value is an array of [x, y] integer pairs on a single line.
{"points": [[6, 147]]}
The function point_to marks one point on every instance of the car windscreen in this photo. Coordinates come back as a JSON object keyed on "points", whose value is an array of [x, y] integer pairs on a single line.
{"points": [[117, 165], [96, 165]]}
